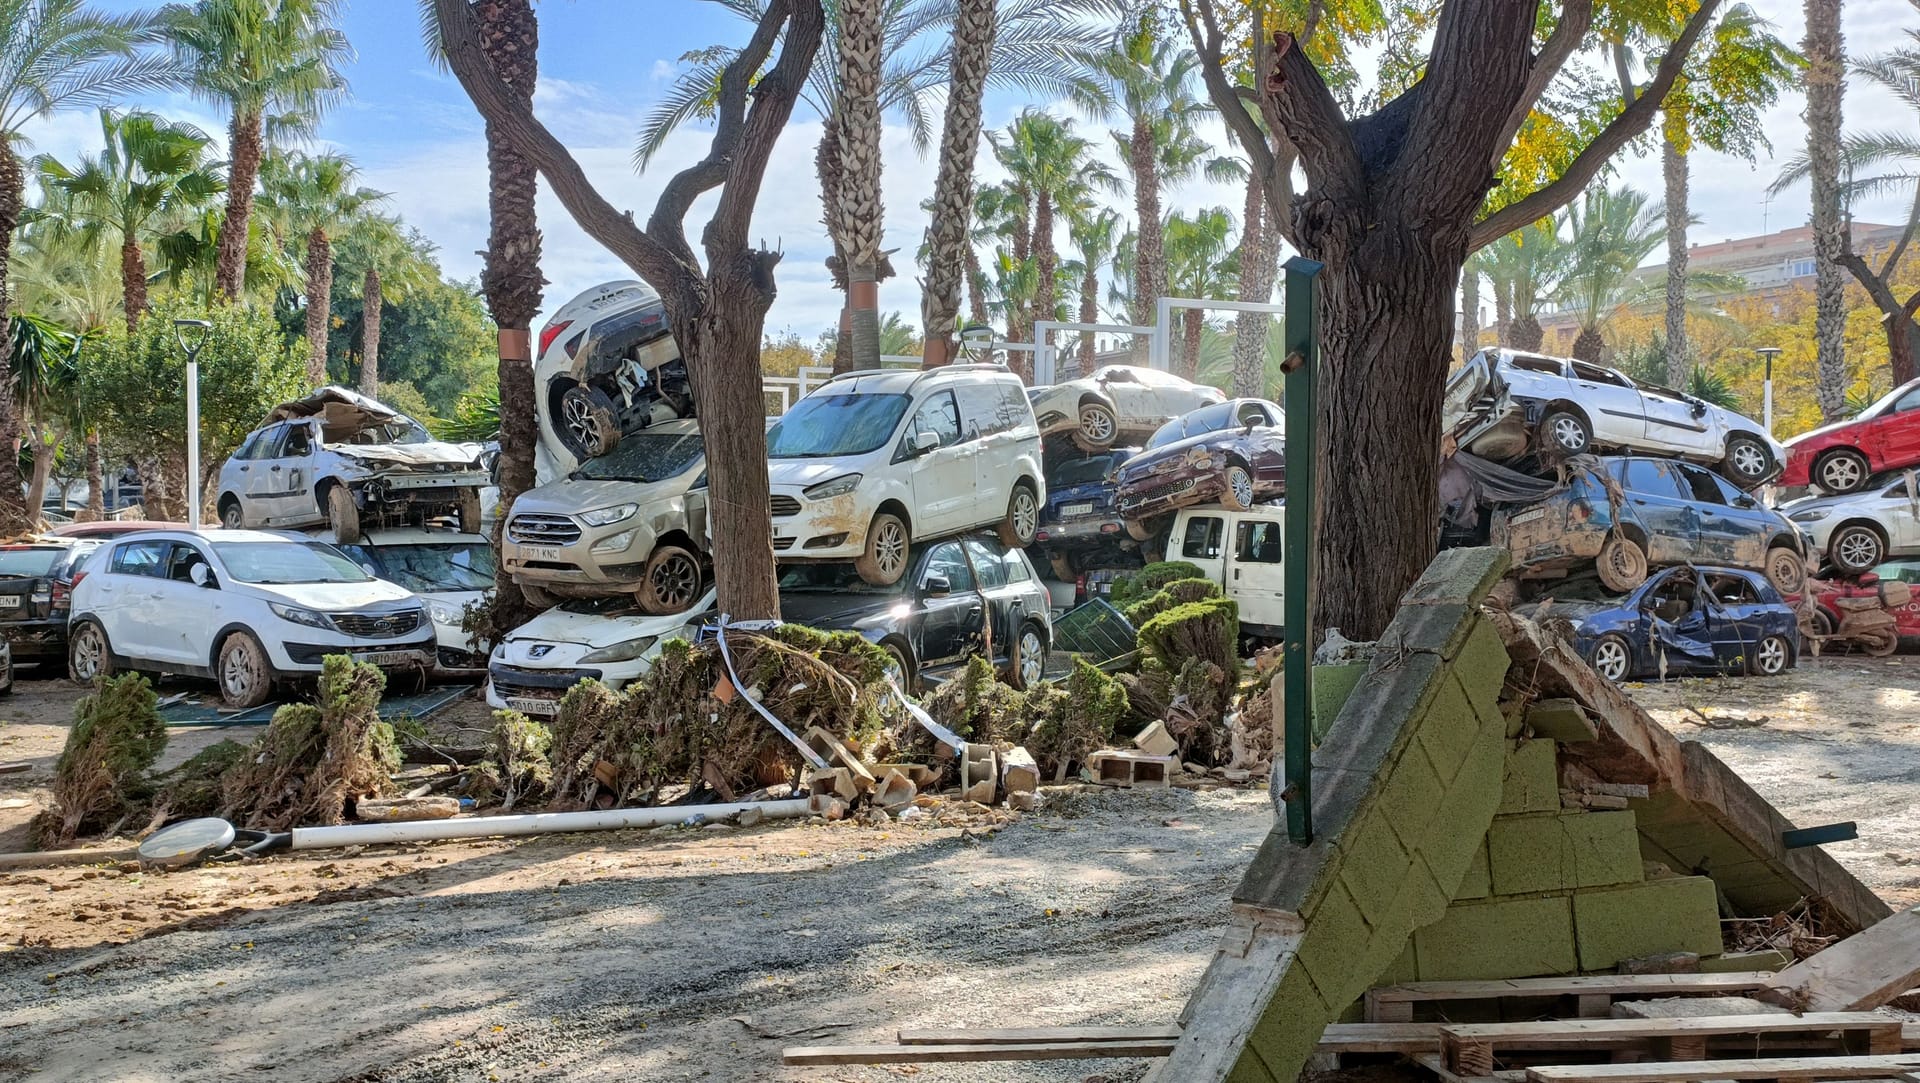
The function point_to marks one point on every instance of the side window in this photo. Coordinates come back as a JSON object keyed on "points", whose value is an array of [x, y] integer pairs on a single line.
{"points": [[1258, 543], [1700, 485], [299, 441], [938, 416], [1908, 401], [1650, 478], [1596, 375], [1733, 590], [1016, 565], [1015, 408], [1545, 365], [266, 445], [987, 562], [980, 410], [181, 561], [1203, 537], [147, 558], [948, 561], [251, 448]]}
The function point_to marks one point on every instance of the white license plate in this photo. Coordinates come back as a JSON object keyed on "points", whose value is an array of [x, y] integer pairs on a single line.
{"points": [[539, 552], [1076, 509], [1527, 516], [9, 601], [388, 658], [533, 706]]}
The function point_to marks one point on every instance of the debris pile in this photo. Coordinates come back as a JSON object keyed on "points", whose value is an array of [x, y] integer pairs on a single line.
{"points": [[100, 781], [316, 759]]}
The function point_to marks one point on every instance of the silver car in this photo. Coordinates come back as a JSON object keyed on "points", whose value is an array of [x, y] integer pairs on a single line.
{"points": [[1117, 403], [1860, 530], [1503, 403]]}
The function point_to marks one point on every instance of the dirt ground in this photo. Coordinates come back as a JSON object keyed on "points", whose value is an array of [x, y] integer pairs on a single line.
{"points": [[697, 954]]}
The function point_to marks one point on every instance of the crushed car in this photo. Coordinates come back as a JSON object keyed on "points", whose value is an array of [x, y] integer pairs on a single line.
{"points": [[606, 367], [1859, 530], [1233, 453], [1081, 522], [1116, 403], [337, 458], [1894, 587], [1848, 456], [1682, 620], [1505, 404]]}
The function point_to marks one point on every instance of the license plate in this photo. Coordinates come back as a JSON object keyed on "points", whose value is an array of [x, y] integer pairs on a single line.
{"points": [[533, 706], [388, 658], [9, 601], [1527, 516], [539, 552], [1076, 509]]}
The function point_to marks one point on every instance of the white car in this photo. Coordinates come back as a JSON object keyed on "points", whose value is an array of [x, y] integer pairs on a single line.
{"points": [[870, 462], [605, 367], [1860, 530], [448, 571], [246, 608], [602, 639], [1118, 402], [1503, 403]]}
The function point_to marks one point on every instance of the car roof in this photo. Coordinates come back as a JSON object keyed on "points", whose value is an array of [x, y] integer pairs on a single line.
{"points": [[113, 527], [906, 381], [408, 536], [216, 534]]}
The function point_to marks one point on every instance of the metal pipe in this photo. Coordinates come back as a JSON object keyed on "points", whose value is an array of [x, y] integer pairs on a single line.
{"points": [[193, 445], [1301, 332], [538, 823]]}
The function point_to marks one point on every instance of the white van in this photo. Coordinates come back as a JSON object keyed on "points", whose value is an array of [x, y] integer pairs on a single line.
{"points": [[1242, 551], [871, 462]]}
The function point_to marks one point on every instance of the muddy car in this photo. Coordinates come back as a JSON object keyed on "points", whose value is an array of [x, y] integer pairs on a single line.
{"points": [[1682, 620], [606, 367], [1117, 403], [1621, 517], [1504, 404], [1232, 453], [337, 459], [1082, 515]]}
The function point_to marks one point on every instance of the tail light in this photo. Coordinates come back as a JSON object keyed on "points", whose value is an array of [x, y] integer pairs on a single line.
{"points": [[1080, 588], [551, 332], [63, 592]]}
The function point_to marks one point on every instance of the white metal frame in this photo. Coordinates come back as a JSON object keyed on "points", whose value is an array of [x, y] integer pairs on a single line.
{"points": [[1044, 354], [1163, 318]]}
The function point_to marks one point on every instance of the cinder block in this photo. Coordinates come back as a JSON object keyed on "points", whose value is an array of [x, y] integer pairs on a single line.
{"points": [[1337, 937], [1561, 720], [1531, 781], [1482, 666], [1561, 850], [1154, 740], [1611, 924], [1449, 728], [1410, 796], [1372, 865], [1498, 938], [1287, 1032], [1469, 802], [1331, 687], [1477, 883]]}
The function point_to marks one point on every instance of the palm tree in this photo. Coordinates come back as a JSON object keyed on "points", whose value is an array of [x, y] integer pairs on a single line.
{"points": [[314, 196], [1825, 81], [1525, 268], [62, 273], [1094, 230], [262, 61], [857, 213], [1200, 263], [949, 255], [149, 174], [389, 266], [43, 376], [1610, 231]]}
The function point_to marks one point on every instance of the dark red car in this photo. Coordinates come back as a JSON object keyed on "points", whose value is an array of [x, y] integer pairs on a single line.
{"points": [[1906, 618], [1232, 453], [1844, 456]]}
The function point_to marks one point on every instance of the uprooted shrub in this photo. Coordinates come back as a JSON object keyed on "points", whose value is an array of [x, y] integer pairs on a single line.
{"points": [[977, 706], [100, 780], [1073, 718], [1208, 630], [1128, 589], [516, 770], [315, 758], [193, 788], [1178, 592]]}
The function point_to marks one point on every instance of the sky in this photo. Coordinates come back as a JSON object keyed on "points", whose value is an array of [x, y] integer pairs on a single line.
{"points": [[605, 63]]}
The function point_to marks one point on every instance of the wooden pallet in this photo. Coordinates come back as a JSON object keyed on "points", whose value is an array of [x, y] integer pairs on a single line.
{"points": [[1896, 1066], [1469, 1048], [1593, 993]]}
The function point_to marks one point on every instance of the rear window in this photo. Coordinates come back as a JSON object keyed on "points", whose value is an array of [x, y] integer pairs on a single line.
{"points": [[1083, 471], [30, 560]]}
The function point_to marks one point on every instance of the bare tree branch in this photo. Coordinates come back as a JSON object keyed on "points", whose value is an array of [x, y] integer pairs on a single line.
{"points": [[774, 97], [1575, 17]]}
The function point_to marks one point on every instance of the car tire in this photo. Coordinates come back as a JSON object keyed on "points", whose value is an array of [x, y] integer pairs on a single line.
{"points": [[1062, 564], [900, 662], [1840, 471], [1566, 432], [538, 597], [1027, 661], [470, 511], [1856, 548], [1022, 521], [1611, 658], [1622, 564], [1786, 570], [1771, 657], [1140, 530], [241, 670], [1098, 427], [231, 515], [670, 581], [884, 559], [588, 425], [1748, 461], [89, 655], [7, 688], [343, 515], [1823, 625], [1237, 493]]}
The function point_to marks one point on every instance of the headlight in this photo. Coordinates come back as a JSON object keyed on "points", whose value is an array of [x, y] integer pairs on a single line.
{"points": [[1199, 457], [839, 486], [616, 544], [297, 615], [621, 652], [442, 613], [1811, 515], [609, 516]]}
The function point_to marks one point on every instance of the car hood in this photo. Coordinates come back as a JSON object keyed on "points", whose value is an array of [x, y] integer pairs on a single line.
{"points": [[591, 630], [802, 473], [1824, 430], [825, 609], [1064, 398], [1133, 469], [572, 497], [335, 597], [430, 453]]}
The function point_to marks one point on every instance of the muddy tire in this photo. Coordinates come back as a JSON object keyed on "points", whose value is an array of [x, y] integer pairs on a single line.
{"points": [[884, 560], [1786, 570], [231, 517], [1877, 644], [343, 515], [469, 511], [1237, 494], [1611, 658], [588, 426], [670, 581], [1856, 548], [899, 665], [1098, 427], [1622, 564], [1566, 432], [1748, 461], [1770, 657], [245, 678], [1027, 660], [1840, 471], [1022, 521], [538, 597], [89, 658]]}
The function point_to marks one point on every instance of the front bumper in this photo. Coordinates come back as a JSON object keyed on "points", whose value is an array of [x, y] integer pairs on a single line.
{"points": [[1166, 494], [576, 565], [414, 653], [830, 529], [1081, 529], [539, 691]]}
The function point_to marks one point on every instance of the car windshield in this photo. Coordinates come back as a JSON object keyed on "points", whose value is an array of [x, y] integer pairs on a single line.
{"points": [[30, 559], [1204, 420], [1082, 471], [429, 566], [404, 431], [831, 578], [644, 456], [820, 426], [1885, 402], [288, 562]]}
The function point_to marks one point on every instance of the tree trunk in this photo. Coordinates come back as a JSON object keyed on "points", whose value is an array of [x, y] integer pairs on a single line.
{"points": [[319, 304], [96, 478], [976, 296], [133, 281], [826, 169], [949, 230], [1469, 311], [15, 517], [1903, 347], [1525, 332], [45, 443], [1589, 345], [1903, 337], [1149, 245], [1502, 314], [1083, 360], [371, 303], [1259, 265], [1825, 80], [1189, 365], [1679, 351], [1046, 268], [860, 214], [243, 168]]}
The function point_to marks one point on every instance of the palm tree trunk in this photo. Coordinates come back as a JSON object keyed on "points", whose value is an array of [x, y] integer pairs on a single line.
{"points": [[243, 153], [1259, 264], [1189, 365], [45, 443], [371, 304], [1089, 313], [1679, 351], [1825, 80], [976, 297], [826, 168], [1502, 314], [860, 212], [96, 479], [947, 234], [1588, 345], [133, 281], [15, 518], [1046, 266], [319, 304], [1525, 332], [1469, 311], [1150, 250]]}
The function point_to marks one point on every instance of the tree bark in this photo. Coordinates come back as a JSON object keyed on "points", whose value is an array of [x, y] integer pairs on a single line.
{"points": [[1195, 323], [826, 169], [1083, 357], [243, 168], [1149, 245], [1525, 333], [1046, 267], [1502, 314], [1259, 265], [45, 443], [976, 299], [371, 303], [1589, 345], [96, 478], [1469, 311], [133, 281], [860, 214], [1825, 81], [949, 247], [319, 304], [15, 517], [1679, 351], [1903, 336]]}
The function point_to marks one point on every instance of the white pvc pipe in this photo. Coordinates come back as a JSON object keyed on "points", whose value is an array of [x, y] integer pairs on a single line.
{"points": [[538, 823]]}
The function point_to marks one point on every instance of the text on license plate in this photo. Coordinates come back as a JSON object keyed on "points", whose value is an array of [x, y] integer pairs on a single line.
{"points": [[1526, 516], [526, 705], [9, 601], [539, 552], [387, 658], [1077, 509]]}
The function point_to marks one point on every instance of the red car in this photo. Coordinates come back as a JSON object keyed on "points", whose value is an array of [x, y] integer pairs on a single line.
{"points": [[1842, 457], [1906, 618]]}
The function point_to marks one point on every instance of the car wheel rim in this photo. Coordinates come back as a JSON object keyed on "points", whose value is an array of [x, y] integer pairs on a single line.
{"points": [[86, 655], [579, 421], [236, 676], [1023, 513], [889, 549], [1031, 661], [1773, 656], [1610, 661], [1242, 486], [895, 670], [231, 518], [675, 580], [1567, 431], [1096, 425], [1857, 550], [1840, 473], [1748, 461]]}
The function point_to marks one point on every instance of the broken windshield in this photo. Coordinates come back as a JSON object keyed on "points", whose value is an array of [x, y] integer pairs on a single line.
{"points": [[645, 456]]}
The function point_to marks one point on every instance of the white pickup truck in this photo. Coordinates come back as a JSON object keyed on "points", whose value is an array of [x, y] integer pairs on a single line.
{"points": [[1241, 551]]}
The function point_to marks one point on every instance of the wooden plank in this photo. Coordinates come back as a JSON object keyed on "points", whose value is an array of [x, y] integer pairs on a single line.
{"points": [[1637, 985], [1522, 1034], [1437, 1064], [44, 859], [1763, 1068], [978, 1051], [1380, 1038], [1866, 970], [1031, 1035], [16, 768]]}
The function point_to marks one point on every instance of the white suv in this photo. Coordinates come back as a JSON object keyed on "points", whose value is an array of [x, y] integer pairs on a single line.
{"points": [[871, 462], [244, 607]]}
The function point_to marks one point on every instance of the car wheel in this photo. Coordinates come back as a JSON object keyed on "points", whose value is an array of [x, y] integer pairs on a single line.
{"points": [[245, 678], [1822, 622], [231, 516], [587, 423], [1140, 530], [1029, 659], [342, 515], [1856, 548], [1098, 427], [899, 666], [1771, 657], [1747, 461], [1022, 520], [1786, 570], [1237, 495], [470, 511], [538, 597], [1566, 432], [1841, 471], [1622, 564], [884, 560], [89, 658], [1611, 658], [7, 688], [670, 581], [1062, 566]]}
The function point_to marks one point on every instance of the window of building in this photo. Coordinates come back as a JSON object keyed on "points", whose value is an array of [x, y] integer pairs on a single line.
{"points": [[1800, 268]]}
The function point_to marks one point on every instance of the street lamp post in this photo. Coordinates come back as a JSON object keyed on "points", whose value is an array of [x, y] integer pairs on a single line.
{"points": [[1767, 354], [192, 334], [978, 339]]}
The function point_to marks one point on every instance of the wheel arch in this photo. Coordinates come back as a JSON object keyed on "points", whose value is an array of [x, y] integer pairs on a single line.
{"points": [[1092, 397], [1874, 525], [220, 640], [680, 537], [896, 506]]}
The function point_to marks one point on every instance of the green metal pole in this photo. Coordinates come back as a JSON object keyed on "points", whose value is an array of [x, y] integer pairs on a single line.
{"points": [[1301, 330]]}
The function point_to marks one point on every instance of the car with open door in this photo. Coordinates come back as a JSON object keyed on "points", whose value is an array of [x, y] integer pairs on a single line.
{"points": [[1116, 404], [1503, 405], [606, 366], [1233, 453], [1682, 620], [1859, 530], [1848, 456]]}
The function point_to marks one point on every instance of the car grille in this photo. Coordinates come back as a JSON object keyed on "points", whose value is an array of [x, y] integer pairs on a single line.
{"points": [[1158, 492], [532, 529], [782, 504], [783, 544], [537, 684], [377, 625]]}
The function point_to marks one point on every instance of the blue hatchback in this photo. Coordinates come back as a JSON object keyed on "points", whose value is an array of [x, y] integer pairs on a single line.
{"points": [[1681, 620]]}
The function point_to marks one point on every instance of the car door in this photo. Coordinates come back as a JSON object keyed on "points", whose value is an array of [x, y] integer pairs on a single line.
{"points": [[1729, 534], [1255, 575], [950, 623], [988, 427], [1656, 500], [1137, 404], [1897, 432], [1900, 513], [1676, 615], [1673, 423], [1265, 444], [943, 478], [188, 616], [129, 602], [1198, 542], [1006, 608], [262, 476], [1613, 404], [1733, 618], [289, 484]]}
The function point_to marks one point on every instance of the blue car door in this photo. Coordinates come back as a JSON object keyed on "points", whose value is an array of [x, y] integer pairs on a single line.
{"points": [[1664, 508], [1676, 619], [1733, 617]]}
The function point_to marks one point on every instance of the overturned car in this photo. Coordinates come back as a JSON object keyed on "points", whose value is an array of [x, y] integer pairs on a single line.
{"points": [[606, 367], [337, 458]]}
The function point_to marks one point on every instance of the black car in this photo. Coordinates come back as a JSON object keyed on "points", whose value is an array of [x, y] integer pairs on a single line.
{"points": [[959, 597], [36, 582]]}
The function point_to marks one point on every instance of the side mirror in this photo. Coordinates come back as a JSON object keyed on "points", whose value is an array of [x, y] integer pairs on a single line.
{"points": [[936, 586], [923, 442], [201, 575], [1745, 502]]}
